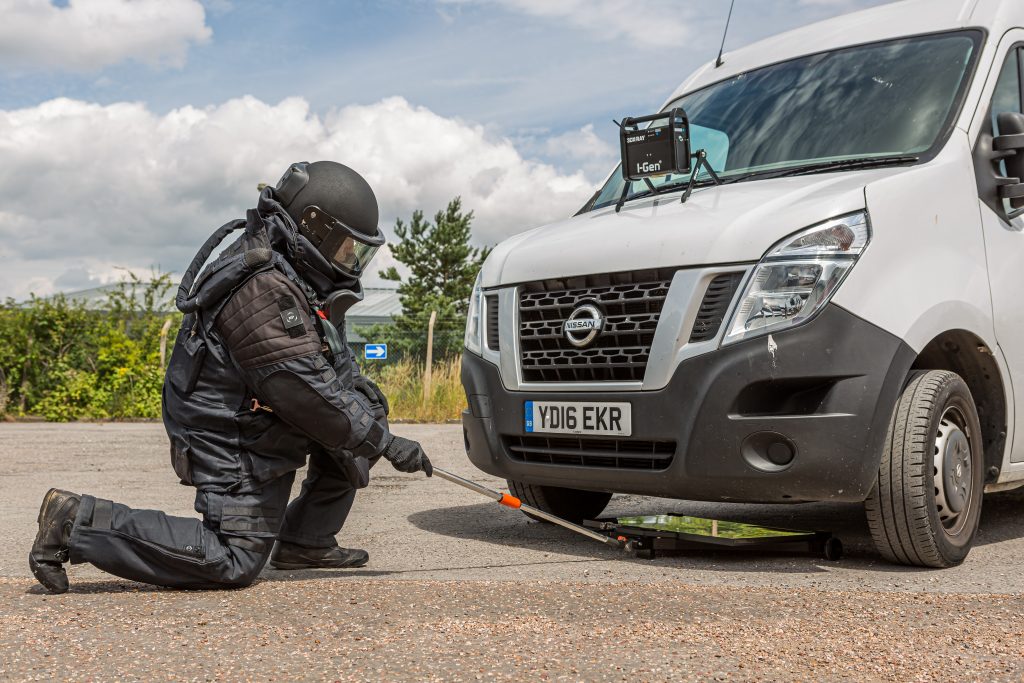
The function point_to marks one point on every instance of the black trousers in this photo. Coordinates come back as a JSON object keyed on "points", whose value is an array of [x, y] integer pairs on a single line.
{"points": [[231, 543], [317, 514]]}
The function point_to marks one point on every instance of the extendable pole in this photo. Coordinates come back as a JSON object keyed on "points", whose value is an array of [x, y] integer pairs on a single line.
{"points": [[516, 504]]}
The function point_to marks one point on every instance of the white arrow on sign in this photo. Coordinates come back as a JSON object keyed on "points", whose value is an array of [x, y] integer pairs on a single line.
{"points": [[378, 351]]}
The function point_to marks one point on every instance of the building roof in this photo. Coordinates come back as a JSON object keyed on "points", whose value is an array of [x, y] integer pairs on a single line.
{"points": [[378, 302], [96, 298], [379, 305]]}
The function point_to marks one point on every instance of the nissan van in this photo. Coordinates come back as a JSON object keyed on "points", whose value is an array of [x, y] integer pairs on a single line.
{"points": [[834, 313]]}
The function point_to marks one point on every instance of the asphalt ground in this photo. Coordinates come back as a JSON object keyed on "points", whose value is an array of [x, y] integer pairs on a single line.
{"points": [[458, 588]]}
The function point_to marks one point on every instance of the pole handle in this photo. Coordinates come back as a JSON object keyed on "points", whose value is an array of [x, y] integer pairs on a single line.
{"points": [[513, 502], [466, 483]]}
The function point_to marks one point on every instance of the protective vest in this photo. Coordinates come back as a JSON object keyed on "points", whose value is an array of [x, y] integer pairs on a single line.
{"points": [[221, 437]]}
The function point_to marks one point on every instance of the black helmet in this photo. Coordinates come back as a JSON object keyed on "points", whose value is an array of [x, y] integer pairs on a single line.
{"points": [[335, 209]]}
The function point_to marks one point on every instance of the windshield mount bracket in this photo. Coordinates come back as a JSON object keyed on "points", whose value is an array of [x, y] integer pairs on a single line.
{"points": [[702, 160], [701, 156]]}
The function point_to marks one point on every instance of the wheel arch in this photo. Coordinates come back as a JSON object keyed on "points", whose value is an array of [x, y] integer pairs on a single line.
{"points": [[971, 357]]}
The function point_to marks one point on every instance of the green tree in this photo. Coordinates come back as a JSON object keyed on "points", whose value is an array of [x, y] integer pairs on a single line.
{"points": [[442, 268]]}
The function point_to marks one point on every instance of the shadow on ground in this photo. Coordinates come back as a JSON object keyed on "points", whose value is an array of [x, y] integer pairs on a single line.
{"points": [[1001, 521], [490, 524]]}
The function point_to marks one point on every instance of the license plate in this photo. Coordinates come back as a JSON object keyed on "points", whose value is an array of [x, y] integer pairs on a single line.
{"points": [[563, 417]]}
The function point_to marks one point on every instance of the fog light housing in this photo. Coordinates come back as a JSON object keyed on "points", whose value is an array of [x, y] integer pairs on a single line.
{"points": [[768, 451]]}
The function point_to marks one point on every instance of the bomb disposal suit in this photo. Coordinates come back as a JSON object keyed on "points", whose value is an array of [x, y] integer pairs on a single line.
{"points": [[260, 376]]}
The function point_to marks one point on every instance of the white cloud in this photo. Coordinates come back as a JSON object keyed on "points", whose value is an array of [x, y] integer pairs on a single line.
{"points": [[584, 149], [645, 23], [88, 188], [90, 34]]}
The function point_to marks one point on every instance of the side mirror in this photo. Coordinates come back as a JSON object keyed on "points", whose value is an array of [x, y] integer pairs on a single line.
{"points": [[1008, 147]]}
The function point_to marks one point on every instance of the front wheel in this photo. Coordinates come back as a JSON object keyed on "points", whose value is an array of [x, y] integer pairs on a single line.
{"points": [[926, 503], [573, 505]]}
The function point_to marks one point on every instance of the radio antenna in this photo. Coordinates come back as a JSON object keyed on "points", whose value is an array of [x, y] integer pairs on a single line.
{"points": [[718, 62]]}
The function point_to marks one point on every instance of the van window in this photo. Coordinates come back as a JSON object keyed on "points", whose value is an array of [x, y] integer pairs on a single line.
{"points": [[881, 99], [1007, 95]]}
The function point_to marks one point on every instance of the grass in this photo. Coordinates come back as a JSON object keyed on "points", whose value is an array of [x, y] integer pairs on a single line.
{"points": [[402, 383]]}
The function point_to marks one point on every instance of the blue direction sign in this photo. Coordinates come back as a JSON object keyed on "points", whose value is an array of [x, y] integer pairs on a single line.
{"points": [[375, 351]]}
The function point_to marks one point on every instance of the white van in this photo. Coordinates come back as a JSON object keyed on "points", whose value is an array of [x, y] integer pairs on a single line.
{"points": [[839, 320]]}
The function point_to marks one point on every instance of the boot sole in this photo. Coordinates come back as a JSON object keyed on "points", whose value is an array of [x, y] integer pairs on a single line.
{"points": [[37, 571], [309, 565]]}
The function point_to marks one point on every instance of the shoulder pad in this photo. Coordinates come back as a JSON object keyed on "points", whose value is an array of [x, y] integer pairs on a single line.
{"points": [[267, 321]]}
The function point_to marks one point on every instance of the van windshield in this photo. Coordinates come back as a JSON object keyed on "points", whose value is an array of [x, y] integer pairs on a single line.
{"points": [[875, 104]]}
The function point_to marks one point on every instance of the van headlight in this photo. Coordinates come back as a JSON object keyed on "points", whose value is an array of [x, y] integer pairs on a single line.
{"points": [[474, 328], [798, 276]]}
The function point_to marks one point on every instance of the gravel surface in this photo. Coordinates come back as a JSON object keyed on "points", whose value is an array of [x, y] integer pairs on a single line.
{"points": [[375, 629], [459, 589]]}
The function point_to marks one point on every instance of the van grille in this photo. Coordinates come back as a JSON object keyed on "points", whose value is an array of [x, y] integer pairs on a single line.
{"points": [[714, 306], [493, 340], [631, 305], [592, 452]]}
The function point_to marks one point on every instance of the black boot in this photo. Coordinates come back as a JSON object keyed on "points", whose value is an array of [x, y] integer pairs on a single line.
{"points": [[50, 550], [292, 556]]}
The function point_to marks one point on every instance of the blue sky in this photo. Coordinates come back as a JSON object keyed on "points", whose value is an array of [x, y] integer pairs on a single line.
{"points": [[152, 120], [481, 61]]}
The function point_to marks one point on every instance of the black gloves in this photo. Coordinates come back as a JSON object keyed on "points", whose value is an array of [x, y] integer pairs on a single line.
{"points": [[369, 389], [407, 456]]}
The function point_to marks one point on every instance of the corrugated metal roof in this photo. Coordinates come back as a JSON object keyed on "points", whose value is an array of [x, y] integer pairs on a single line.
{"points": [[96, 297], [379, 304]]}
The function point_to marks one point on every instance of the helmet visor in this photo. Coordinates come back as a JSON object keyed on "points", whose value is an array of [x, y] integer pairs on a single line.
{"points": [[352, 256], [349, 250]]}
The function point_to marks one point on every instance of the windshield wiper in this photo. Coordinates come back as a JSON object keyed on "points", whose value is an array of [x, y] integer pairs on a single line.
{"points": [[660, 189], [668, 188], [824, 166], [803, 169]]}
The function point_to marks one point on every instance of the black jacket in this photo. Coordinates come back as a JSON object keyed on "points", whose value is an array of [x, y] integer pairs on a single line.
{"points": [[252, 385]]}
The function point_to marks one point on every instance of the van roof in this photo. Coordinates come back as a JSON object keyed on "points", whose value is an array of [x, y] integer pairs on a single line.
{"points": [[894, 20]]}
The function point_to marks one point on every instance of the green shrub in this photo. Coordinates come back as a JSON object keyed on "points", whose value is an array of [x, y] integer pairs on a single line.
{"points": [[62, 361], [74, 395]]}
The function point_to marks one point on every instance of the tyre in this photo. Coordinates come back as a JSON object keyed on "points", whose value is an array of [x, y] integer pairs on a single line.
{"points": [[926, 503], [571, 504]]}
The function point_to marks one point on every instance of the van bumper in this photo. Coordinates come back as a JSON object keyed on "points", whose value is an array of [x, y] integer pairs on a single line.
{"points": [[726, 420]]}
